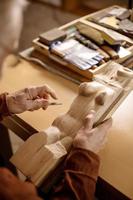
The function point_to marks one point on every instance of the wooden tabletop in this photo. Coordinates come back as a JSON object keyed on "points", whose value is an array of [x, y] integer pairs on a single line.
{"points": [[117, 156]]}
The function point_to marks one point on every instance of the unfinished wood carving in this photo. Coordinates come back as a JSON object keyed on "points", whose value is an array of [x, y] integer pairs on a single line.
{"points": [[43, 151]]}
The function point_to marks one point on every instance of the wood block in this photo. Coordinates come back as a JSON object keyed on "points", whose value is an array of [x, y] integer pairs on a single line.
{"points": [[36, 160], [52, 36]]}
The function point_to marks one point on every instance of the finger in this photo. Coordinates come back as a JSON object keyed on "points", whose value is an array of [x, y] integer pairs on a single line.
{"points": [[89, 120], [46, 96], [36, 104], [45, 107], [49, 91], [41, 91], [106, 125]]}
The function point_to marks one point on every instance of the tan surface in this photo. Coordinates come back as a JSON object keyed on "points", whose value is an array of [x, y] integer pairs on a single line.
{"points": [[117, 157], [23, 75]]}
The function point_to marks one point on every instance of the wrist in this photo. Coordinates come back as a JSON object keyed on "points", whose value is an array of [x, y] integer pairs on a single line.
{"points": [[4, 111], [9, 105], [83, 144], [82, 160]]}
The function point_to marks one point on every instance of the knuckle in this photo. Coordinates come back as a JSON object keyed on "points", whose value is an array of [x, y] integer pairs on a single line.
{"points": [[26, 89], [44, 87]]}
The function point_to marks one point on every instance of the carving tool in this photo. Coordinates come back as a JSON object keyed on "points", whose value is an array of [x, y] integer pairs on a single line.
{"points": [[128, 63], [100, 123], [90, 44], [54, 103], [131, 17], [52, 36], [104, 54], [113, 54], [125, 15], [86, 42], [90, 33]]}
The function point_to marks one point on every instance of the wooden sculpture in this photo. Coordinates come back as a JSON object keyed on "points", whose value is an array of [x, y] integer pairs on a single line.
{"points": [[43, 151]]}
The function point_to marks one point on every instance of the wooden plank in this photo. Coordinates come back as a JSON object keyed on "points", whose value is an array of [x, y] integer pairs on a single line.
{"points": [[19, 127], [43, 158]]}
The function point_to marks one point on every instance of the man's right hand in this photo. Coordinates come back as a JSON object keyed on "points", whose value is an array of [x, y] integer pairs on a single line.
{"points": [[90, 138]]}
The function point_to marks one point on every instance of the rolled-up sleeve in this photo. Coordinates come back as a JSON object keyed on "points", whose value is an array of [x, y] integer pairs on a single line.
{"points": [[3, 106], [80, 176]]}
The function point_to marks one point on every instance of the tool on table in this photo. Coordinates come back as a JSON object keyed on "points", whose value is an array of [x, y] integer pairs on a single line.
{"points": [[128, 63], [118, 18], [126, 25], [111, 21], [75, 53], [52, 36], [90, 33], [92, 45], [113, 54], [51, 103], [86, 42], [120, 13]]}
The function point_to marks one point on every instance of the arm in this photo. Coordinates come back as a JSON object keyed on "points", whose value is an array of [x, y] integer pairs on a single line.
{"points": [[31, 98], [80, 176], [80, 173], [11, 188], [82, 164]]}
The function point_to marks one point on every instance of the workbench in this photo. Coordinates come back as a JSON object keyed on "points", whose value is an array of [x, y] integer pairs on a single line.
{"points": [[116, 158]]}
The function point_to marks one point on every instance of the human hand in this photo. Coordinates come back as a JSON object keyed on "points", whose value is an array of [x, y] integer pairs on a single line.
{"points": [[91, 138], [29, 99], [14, 189]]}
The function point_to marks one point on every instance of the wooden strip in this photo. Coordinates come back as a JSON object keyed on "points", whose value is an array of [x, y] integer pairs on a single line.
{"points": [[19, 127]]}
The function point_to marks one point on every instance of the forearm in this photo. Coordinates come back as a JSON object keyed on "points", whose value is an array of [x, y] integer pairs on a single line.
{"points": [[80, 176]]}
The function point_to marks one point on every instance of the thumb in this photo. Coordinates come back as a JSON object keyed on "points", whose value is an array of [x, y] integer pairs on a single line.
{"points": [[89, 120], [37, 104]]}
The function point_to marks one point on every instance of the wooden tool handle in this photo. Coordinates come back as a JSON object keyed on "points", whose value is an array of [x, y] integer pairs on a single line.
{"points": [[106, 56], [113, 54]]}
